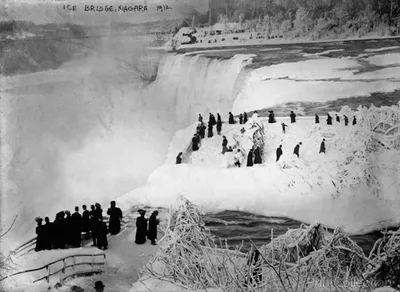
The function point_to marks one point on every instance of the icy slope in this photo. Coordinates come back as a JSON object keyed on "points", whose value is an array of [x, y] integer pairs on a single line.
{"points": [[330, 188]]}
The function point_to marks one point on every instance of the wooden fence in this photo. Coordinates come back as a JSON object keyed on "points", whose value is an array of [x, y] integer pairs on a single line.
{"points": [[62, 270]]}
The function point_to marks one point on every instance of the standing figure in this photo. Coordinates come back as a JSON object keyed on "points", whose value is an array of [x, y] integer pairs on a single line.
{"points": [[210, 130], [200, 118], [271, 117], [68, 228], [213, 121], [245, 118], [141, 228], [329, 120], [94, 225], [224, 145], [292, 117], [101, 229], [337, 118], [257, 156], [219, 127], [219, 118], [346, 120], [240, 119], [153, 223], [354, 120], [49, 234], [231, 119], [195, 143], [115, 218], [316, 119], [59, 230], [99, 286], [202, 130], [279, 152], [76, 225], [86, 222], [250, 158], [322, 147], [284, 127], [40, 239], [296, 149], [103, 236], [179, 158]]}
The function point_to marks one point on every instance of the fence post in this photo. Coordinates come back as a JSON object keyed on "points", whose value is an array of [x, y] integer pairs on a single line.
{"points": [[92, 262], [48, 274], [74, 262], [63, 270]]}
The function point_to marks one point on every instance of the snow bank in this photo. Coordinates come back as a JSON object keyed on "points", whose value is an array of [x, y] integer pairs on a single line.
{"points": [[323, 53], [381, 49], [304, 189]]}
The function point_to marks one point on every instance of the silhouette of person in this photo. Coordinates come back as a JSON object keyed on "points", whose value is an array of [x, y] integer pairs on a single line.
{"points": [[224, 145], [115, 213], [279, 152], [40, 239], [245, 119], [200, 118], [240, 119], [297, 149], [271, 117], [141, 228], [284, 126], [179, 158], [99, 286], [292, 117], [231, 119], [94, 224], [250, 158], [346, 120], [316, 119], [257, 156], [219, 118], [153, 223], [195, 143], [354, 120], [322, 147], [337, 118], [329, 120], [76, 225], [86, 221], [49, 234], [219, 127], [210, 130]]}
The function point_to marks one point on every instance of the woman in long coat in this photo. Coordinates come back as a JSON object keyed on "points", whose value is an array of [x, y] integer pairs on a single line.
{"points": [[153, 222], [141, 228]]}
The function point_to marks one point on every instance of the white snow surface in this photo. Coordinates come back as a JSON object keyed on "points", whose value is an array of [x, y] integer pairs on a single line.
{"points": [[304, 191]]}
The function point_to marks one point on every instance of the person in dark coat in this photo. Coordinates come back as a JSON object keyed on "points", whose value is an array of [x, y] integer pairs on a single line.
{"points": [[279, 152], [231, 119], [213, 120], [210, 130], [40, 239], [284, 126], [200, 118], [76, 225], [195, 143], [49, 234], [179, 158], [86, 221], [94, 225], [322, 147], [240, 119], [69, 230], [271, 117], [115, 214], [219, 127], [346, 120], [219, 118], [316, 119], [102, 241], [203, 130], [297, 149], [153, 223], [245, 119], [354, 120], [250, 158], [224, 145], [141, 228], [292, 117], [101, 230], [257, 156], [59, 231], [337, 118], [329, 120]]}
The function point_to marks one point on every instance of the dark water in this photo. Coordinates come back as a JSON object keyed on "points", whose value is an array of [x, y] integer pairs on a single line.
{"points": [[235, 227]]}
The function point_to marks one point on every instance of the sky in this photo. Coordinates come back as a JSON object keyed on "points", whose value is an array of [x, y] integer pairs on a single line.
{"points": [[48, 11]]}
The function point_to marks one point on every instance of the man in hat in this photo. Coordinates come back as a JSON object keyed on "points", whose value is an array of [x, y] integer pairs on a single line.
{"points": [[179, 158], [279, 152], [141, 228], [99, 286], [153, 222], [297, 149], [322, 147], [40, 234], [115, 218]]}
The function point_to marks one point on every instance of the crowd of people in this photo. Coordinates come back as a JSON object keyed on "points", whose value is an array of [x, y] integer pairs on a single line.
{"points": [[144, 230], [254, 156], [66, 230]]}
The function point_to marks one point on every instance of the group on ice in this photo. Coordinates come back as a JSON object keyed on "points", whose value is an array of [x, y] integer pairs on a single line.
{"points": [[144, 230], [66, 230], [254, 155]]}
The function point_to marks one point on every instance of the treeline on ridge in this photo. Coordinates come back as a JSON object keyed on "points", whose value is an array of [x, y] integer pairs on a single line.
{"points": [[307, 18]]}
